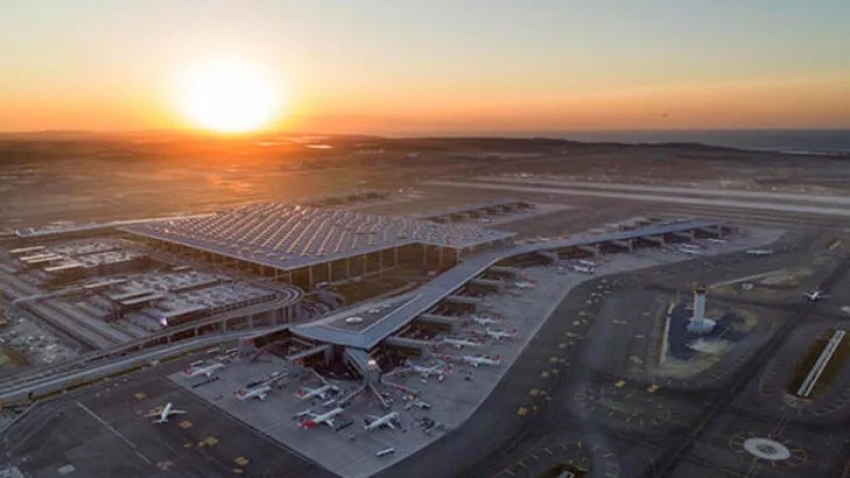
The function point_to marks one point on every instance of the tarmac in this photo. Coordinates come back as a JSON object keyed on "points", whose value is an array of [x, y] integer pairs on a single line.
{"points": [[101, 432], [454, 400]]}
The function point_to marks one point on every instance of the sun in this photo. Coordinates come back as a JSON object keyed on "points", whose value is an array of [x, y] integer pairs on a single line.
{"points": [[227, 96]]}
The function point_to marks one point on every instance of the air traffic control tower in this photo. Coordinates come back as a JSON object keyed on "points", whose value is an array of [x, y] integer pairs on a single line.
{"points": [[699, 324]]}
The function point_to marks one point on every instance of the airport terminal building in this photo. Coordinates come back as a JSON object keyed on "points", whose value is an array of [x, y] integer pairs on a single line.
{"points": [[306, 246]]}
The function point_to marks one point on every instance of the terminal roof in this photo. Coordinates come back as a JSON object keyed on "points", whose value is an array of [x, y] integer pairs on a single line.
{"points": [[290, 237]]}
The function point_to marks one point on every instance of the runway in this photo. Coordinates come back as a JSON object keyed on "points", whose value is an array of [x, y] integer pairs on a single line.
{"points": [[667, 199]]}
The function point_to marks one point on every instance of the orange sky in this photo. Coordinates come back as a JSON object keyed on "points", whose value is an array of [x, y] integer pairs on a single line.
{"points": [[384, 67]]}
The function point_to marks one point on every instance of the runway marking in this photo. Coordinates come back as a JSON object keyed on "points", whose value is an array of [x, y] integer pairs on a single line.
{"points": [[185, 424], [620, 383], [550, 452], [238, 471], [544, 374], [652, 388], [115, 432], [241, 461], [562, 345], [140, 396], [521, 411], [508, 471], [534, 392]]}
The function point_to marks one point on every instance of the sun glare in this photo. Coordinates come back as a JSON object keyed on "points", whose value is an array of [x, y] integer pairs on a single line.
{"points": [[227, 97]]}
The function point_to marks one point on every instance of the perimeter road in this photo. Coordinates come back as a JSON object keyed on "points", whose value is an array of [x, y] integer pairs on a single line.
{"points": [[115, 432]]}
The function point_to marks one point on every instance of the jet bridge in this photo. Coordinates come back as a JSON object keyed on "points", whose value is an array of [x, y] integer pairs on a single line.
{"points": [[689, 235], [486, 284], [625, 244], [460, 300], [440, 320], [504, 271], [365, 366], [325, 350], [407, 343]]}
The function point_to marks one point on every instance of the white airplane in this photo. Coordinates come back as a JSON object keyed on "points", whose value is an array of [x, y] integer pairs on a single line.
{"points": [[388, 420], [760, 252], [523, 285], [426, 372], [481, 360], [260, 392], [202, 368], [482, 320], [500, 334], [583, 269], [461, 343], [305, 393], [325, 418], [815, 296], [587, 263], [166, 412]]}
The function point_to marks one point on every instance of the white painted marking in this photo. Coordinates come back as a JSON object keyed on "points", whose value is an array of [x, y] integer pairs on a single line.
{"points": [[115, 432]]}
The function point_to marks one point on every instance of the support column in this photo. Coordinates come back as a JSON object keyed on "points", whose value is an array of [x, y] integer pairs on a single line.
{"points": [[330, 273], [440, 259], [395, 256], [380, 262], [310, 280], [290, 277], [348, 267]]}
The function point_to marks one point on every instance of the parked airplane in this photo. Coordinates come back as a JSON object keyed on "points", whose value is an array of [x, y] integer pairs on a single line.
{"points": [[523, 284], [437, 370], [461, 343], [260, 392], [760, 252], [815, 296], [166, 412], [583, 269], [482, 320], [587, 263], [388, 420], [481, 360], [500, 334], [305, 393], [325, 418], [202, 368]]}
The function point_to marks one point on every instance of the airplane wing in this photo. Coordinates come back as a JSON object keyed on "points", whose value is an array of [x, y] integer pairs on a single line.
{"points": [[153, 414], [177, 412], [372, 418]]}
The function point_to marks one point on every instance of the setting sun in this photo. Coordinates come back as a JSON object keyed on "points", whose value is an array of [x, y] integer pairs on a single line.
{"points": [[227, 97]]}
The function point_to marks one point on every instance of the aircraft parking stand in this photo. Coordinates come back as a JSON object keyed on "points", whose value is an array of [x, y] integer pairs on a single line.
{"points": [[351, 451]]}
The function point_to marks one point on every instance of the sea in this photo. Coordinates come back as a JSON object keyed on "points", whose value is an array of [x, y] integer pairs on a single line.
{"points": [[792, 141]]}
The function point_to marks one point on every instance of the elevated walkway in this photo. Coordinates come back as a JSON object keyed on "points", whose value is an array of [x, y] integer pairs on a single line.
{"points": [[447, 283]]}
